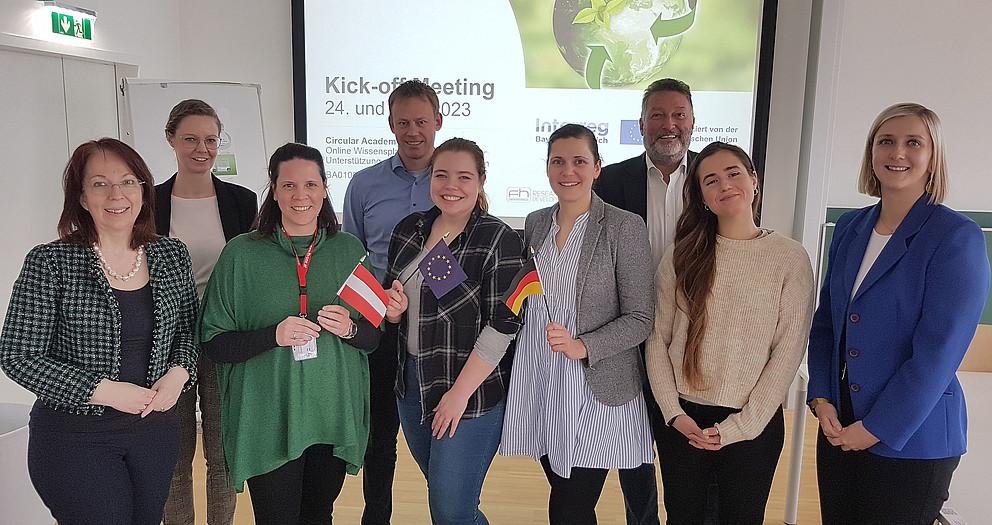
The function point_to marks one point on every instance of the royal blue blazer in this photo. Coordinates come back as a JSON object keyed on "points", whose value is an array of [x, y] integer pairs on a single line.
{"points": [[908, 327]]}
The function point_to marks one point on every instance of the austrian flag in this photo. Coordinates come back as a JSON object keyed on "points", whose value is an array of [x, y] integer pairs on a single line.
{"points": [[363, 293]]}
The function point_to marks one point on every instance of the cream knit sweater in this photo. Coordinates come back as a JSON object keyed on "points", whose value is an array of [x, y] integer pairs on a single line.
{"points": [[759, 318]]}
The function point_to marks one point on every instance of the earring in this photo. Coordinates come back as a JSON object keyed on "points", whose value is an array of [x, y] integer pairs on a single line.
{"points": [[705, 207], [755, 190], [929, 186]]}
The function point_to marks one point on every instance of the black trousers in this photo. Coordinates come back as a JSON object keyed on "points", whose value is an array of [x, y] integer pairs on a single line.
{"points": [[573, 500], [743, 470], [858, 487], [639, 485], [101, 471], [380, 456], [301, 491]]}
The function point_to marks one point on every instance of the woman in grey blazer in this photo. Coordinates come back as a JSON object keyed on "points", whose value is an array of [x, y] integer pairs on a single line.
{"points": [[575, 401]]}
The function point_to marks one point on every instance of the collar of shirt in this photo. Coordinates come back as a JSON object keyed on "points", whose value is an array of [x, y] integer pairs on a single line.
{"points": [[554, 217], [653, 170], [396, 164], [427, 221]]}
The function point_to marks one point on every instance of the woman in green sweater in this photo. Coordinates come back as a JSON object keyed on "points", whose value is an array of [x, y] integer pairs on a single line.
{"points": [[293, 371], [733, 313]]}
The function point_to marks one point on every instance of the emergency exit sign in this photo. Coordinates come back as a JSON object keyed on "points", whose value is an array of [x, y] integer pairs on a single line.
{"points": [[72, 25]]}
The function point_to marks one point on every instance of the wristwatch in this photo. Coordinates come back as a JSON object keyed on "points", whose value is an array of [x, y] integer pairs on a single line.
{"points": [[351, 333], [815, 402]]}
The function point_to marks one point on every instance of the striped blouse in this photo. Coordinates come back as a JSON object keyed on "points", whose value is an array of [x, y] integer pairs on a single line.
{"points": [[550, 410]]}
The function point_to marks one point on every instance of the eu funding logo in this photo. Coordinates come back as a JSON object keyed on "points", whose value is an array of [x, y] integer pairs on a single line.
{"points": [[630, 133]]}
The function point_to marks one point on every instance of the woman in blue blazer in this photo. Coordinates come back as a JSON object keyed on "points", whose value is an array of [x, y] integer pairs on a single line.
{"points": [[905, 287]]}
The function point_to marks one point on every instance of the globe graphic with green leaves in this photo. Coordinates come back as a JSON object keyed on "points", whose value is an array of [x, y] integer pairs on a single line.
{"points": [[624, 29]]}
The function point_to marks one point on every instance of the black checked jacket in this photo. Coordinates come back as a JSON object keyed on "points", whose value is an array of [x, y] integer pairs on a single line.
{"points": [[61, 336], [491, 253]]}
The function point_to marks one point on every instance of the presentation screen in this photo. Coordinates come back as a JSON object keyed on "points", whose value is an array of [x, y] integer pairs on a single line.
{"points": [[508, 73]]}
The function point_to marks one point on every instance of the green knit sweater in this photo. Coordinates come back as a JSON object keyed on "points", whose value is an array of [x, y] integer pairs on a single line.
{"points": [[273, 407]]}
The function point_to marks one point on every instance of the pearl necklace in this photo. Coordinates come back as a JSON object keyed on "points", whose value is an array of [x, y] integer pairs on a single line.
{"points": [[110, 271]]}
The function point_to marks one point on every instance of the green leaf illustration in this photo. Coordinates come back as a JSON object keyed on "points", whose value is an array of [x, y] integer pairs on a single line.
{"points": [[585, 16], [613, 7], [600, 12]]}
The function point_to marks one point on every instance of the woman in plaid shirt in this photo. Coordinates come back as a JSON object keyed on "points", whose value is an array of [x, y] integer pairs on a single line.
{"points": [[454, 362], [100, 328]]}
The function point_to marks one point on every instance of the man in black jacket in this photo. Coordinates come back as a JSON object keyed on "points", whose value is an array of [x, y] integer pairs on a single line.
{"points": [[650, 185]]}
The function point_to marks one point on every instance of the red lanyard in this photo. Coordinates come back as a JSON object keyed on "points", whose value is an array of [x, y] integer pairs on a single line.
{"points": [[302, 268]]}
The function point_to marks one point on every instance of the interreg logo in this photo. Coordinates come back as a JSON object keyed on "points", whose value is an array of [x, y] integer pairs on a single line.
{"points": [[600, 129]]}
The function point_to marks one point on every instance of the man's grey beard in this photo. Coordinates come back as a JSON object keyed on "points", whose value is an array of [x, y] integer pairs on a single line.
{"points": [[666, 160]]}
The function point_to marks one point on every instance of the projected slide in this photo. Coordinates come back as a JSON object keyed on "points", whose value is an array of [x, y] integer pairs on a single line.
{"points": [[510, 72]]}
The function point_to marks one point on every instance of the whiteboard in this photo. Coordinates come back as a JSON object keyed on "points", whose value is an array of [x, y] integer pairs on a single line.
{"points": [[239, 106]]}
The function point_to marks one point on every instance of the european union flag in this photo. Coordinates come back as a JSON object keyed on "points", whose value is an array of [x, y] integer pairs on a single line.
{"points": [[441, 270], [630, 132]]}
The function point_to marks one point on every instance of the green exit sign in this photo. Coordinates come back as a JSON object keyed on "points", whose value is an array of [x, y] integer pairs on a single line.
{"points": [[72, 25]]}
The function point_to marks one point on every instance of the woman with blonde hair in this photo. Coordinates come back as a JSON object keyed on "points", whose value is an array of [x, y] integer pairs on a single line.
{"points": [[204, 212], [905, 287]]}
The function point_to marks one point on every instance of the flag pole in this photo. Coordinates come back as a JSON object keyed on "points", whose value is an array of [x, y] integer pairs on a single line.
{"points": [[544, 294], [360, 261]]}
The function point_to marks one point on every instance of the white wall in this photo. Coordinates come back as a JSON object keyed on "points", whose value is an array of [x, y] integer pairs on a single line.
{"points": [[167, 39], [181, 40], [144, 31], [785, 119], [936, 54], [234, 41]]}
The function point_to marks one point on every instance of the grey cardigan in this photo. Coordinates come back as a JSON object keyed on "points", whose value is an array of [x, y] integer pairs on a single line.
{"points": [[615, 298]]}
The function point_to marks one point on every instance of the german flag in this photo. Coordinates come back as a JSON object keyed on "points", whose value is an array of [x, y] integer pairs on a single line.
{"points": [[526, 283]]}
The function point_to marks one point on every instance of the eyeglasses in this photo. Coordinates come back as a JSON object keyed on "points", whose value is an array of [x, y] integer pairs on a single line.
{"points": [[211, 143], [104, 188]]}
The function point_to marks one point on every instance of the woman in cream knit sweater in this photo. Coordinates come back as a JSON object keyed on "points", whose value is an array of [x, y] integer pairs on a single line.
{"points": [[733, 313]]}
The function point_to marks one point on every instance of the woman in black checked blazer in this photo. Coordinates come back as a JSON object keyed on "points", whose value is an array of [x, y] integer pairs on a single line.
{"points": [[100, 328]]}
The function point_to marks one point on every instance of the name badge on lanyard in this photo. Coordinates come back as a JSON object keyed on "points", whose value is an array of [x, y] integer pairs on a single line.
{"points": [[307, 350]]}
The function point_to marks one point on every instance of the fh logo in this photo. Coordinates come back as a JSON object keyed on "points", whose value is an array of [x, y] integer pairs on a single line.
{"points": [[518, 194]]}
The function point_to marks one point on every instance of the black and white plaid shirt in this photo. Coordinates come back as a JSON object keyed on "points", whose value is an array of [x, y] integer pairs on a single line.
{"points": [[62, 333], [491, 253]]}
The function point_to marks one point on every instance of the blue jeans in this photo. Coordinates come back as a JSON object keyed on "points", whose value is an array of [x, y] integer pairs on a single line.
{"points": [[454, 467]]}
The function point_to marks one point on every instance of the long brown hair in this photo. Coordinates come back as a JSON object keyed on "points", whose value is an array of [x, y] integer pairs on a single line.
{"points": [[694, 257], [76, 224]]}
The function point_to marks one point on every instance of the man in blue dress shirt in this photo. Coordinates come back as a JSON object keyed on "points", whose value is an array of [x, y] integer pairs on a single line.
{"points": [[378, 197]]}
